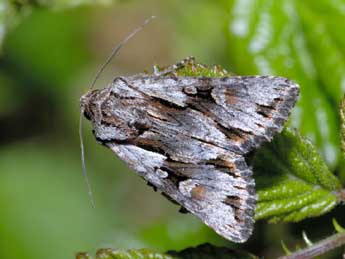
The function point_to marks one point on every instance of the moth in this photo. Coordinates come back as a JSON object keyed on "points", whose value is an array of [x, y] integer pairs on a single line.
{"points": [[188, 136]]}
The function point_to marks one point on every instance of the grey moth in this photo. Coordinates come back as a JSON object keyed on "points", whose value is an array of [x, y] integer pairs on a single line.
{"points": [[188, 135]]}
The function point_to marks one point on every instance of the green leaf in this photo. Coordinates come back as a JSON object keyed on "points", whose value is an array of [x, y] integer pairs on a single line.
{"points": [[205, 251], [318, 20], [125, 254], [300, 40], [293, 182], [8, 17]]}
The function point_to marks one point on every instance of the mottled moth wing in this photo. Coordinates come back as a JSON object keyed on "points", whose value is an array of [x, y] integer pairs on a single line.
{"points": [[188, 137]]}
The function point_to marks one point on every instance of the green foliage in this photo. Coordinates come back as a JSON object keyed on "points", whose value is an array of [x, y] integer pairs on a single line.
{"points": [[293, 182], [301, 40], [54, 51], [8, 16], [312, 250], [205, 251], [203, 71], [189, 67], [127, 254], [13, 11]]}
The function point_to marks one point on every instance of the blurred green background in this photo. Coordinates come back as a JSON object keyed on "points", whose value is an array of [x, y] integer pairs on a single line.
{"points": [[50, 51]]}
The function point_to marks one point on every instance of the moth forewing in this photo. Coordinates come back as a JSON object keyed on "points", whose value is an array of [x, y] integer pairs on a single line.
{"points": [[188, 137]]}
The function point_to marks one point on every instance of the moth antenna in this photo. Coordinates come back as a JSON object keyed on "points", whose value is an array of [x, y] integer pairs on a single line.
{"points": [[117, 49], [83, 159], [99, 72]]}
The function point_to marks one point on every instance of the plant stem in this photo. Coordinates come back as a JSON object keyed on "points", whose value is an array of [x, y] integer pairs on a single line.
{"points": [[318, 248]]}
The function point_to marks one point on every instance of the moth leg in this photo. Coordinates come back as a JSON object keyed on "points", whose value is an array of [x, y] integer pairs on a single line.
{"points": [[183, 210], [190, 60], [151, 185]]}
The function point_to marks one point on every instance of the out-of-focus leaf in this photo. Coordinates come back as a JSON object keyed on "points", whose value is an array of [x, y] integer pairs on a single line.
{"points": [[61, 4], [178, 231], [12, 11], [200, 31], [8, 18], [41, 58], [205, 251], [318, 20], [293, 182], [37, 218], [298, 40], [7, 95]]}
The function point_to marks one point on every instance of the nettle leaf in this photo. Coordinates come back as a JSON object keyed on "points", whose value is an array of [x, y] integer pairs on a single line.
{"points": [[125, 254], [293, 182], [300, 40], [205, 251]]}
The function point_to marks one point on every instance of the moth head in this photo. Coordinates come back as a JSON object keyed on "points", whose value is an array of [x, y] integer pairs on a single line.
{"points": [[114, 118], [86, 100], [85, 104]]}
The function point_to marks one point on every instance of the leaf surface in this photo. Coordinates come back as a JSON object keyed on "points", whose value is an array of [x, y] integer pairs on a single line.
{"points": [[205, 251], [293, 182], [299, 40]]}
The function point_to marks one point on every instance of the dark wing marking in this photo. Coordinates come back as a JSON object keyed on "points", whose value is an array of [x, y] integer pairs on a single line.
{"points": [[247, 109], [187, 137]]}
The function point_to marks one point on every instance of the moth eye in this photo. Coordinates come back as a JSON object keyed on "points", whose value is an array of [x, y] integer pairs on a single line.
{"points": [[198, 192], [190, 89], [87, 114]]}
